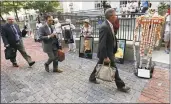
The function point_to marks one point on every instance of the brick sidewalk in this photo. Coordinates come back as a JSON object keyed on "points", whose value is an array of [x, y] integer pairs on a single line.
{"points": [[34, 85], [157, 90]]}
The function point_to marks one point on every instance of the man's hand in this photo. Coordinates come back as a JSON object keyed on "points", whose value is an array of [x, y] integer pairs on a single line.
{"points": [[60, 50], [107, 60], [52, 35]]}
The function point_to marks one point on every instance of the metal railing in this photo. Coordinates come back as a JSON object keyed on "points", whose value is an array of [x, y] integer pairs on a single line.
{"points": [[126, 29]]}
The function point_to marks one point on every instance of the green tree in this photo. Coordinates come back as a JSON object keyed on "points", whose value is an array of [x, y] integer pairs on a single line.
{"points": [[42, 6], [14, 6], [162, 8], [4, 9]]}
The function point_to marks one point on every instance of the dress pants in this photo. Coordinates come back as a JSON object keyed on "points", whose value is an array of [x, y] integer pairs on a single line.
{"points": [[20, 47], [53, 58], [72, 46], [118, 81]]}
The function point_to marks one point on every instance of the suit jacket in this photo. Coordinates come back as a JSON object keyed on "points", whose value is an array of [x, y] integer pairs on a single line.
{"points": [[8, 35], [48, 44], [106, 46]]}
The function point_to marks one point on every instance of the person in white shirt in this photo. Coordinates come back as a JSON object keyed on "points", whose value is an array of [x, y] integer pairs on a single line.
{"points": [[128, 8], [86, 29], [133, 8], [27, 24], [58, 29], [37, 35], [167, 34], [70, 28]]}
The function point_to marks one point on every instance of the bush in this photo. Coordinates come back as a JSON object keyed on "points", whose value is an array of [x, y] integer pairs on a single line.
{"points": [[162, 8]]}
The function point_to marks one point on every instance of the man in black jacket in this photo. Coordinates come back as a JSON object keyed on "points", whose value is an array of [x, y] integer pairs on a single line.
{"points": [[108, 47], [12, 37]]}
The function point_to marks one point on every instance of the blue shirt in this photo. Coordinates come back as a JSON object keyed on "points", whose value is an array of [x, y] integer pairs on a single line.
{"points": [[145, 4]]}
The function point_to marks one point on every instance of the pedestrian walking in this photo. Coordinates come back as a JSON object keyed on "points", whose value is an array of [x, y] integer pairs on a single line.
{"points": [[37, 35], [50, 44], [107, 48], [12, 38]]}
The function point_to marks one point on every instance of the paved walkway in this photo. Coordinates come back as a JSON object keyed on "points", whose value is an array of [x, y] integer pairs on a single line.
{"points": [[35, 85]]}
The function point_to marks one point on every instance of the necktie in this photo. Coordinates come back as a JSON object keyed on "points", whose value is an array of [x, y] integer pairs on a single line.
{"points": [[15, 33], [51, 29]]}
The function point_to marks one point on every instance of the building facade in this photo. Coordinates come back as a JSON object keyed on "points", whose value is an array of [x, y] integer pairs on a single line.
{"points": [[94, 5]]}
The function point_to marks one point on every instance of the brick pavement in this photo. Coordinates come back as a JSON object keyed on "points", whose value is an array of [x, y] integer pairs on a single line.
{"points": [[34, 85]]}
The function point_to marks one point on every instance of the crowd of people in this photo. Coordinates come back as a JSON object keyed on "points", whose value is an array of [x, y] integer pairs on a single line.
{"points": [[50, 37], [52, 32], [133, 6]]}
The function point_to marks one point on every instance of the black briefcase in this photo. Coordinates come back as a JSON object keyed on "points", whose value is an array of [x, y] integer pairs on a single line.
{"points": [[10, 53]]}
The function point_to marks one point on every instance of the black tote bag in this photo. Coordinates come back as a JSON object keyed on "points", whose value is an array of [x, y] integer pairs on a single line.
{"points": [[10, 53]]}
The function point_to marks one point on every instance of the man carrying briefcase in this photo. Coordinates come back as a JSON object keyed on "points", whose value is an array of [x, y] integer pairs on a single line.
{"points": [[12, 39]]}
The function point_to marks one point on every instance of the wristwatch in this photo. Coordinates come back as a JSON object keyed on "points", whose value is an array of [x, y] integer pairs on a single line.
{"points": [[7, 45]]}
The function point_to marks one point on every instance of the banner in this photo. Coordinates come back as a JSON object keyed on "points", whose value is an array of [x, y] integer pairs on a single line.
{"points": [[86, 47], [119, 56]]}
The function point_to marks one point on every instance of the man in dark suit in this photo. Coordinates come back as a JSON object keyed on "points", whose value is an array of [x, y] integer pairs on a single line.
{"points": [[50, 44], [12, 37], [107, 48]]}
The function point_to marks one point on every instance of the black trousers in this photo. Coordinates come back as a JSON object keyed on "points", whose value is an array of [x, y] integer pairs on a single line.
{"points": [[20, 47], [118, 81]]}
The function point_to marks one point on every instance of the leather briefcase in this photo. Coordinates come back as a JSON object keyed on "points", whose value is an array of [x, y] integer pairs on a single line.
{"points": [[10, 53], [61, 55]]}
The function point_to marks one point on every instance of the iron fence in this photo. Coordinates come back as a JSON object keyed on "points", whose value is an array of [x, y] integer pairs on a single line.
{"points": [[126, 29]]}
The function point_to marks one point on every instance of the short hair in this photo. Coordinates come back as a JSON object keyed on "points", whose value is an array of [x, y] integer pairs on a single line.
{"points": [[109, 12], [10, 17], [47, 16]]}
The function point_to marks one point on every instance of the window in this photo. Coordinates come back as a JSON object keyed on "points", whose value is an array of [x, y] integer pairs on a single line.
{"points": [[98, 5]]}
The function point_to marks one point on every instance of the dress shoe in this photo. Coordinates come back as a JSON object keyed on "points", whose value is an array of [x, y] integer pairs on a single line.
{"points": [[95, 82], [124, 89], [31, 63], [46, 67], [15, 65], [57, 70]]}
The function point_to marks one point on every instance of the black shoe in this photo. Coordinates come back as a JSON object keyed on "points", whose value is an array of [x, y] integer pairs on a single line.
{"points": [[46, 67], [57, 70], [31, 63], [15, 65], [95, 82], [124, 89]]}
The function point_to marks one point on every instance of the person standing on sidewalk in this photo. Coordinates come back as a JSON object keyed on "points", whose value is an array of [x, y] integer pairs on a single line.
{"points": [[69, 33], [167, 32], [12, 38], [86, 29], [50, 44], [107, 48], [145, 6], [36, 35], [58, 30]]}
